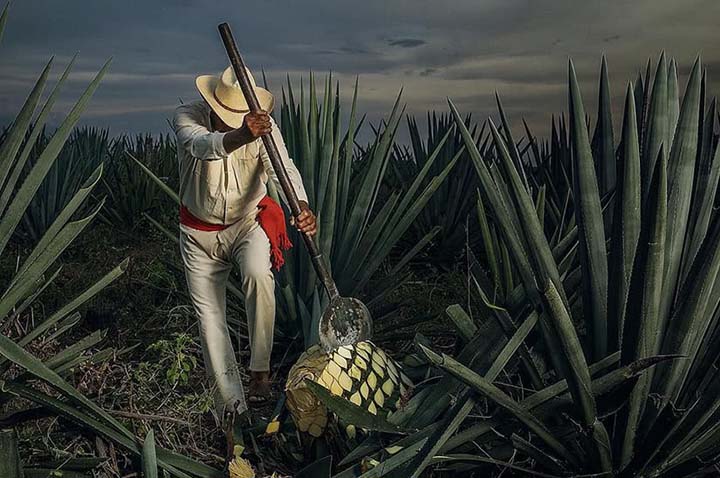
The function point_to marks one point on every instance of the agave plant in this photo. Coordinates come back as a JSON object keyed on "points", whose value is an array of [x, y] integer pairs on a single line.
{"points": [[44, 383], [84, 151], [451, 205], [132, 193], [638, 396]]}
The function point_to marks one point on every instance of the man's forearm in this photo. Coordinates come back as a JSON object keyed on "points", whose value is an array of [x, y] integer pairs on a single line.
{"points": [[237, 138]]}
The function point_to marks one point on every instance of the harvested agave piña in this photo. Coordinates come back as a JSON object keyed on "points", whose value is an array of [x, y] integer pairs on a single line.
{"points": [[362, 374]]}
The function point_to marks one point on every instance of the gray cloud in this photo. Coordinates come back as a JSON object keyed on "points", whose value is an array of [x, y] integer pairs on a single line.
{"points": [[407, 42], [465, 50]]}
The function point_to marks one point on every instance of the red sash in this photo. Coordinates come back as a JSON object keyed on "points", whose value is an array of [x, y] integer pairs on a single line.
{"points": [[187, 219], [271, 218]]}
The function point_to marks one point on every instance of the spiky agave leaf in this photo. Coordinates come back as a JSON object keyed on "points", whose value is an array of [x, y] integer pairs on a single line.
{"points": [[626, 223], [30, 142], [673, 100], [13, 139], [10, 466], [149, 456], [641, 337], [705, 190], [656, 124], [593, 255], [681, 175], [603, 143]]}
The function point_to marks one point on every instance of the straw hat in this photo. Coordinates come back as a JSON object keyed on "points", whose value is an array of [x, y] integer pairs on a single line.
{"points": [[225, 97]]}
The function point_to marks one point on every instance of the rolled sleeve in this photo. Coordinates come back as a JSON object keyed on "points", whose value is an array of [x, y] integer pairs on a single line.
{"points": [[218, 146], [293, 173], [194, 135]]}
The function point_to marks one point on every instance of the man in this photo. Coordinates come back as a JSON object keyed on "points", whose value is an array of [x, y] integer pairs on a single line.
{"points": [[226, 218]]}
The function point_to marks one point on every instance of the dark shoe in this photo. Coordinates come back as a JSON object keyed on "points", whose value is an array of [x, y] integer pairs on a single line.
{"points": [[260, 390]]}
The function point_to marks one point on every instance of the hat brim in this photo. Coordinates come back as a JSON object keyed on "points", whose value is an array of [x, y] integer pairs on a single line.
{"points": [[206, 86]]}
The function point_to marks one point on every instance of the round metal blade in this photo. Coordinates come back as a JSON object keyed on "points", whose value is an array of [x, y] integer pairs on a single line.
{"points": [[345, 321]]}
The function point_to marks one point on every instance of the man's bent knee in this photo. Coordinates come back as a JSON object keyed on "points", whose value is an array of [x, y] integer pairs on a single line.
{"points": [[258, 276]]}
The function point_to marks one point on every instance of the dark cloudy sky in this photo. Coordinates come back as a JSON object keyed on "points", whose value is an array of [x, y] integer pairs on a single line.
{"points": [[465, 49]]}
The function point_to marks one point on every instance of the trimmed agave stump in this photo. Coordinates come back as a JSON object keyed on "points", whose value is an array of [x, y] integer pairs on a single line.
{"points": [[361, 373]]}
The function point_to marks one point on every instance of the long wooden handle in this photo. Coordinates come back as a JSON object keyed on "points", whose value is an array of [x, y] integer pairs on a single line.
{"points": [[239, 67]]}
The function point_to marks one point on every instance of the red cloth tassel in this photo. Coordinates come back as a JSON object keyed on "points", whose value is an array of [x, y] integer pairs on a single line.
{"points": [[272, 219]]}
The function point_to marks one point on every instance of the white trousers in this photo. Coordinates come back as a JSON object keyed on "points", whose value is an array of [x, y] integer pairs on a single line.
{"points": [[208, 258]]}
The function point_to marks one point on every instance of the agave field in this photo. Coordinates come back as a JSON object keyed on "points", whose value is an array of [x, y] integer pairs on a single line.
{"points": [[542, 306]]}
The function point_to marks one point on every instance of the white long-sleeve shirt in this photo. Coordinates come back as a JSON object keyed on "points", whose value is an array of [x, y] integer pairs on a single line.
{"points": [[222, 188]]}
